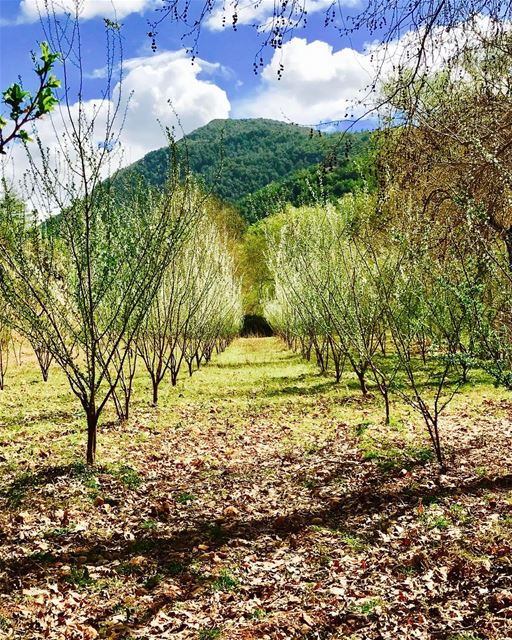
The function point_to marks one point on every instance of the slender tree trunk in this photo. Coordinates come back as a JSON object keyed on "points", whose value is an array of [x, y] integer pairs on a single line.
{"points": [[337, 369], [362, 382], [385, 395], [508, 244], [92, 426], [155, 384]]}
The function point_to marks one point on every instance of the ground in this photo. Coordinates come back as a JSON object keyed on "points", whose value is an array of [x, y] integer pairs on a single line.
{"points": [[260, 500]]}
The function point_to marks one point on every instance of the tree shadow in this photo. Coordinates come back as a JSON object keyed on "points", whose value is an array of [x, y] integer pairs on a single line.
{"points": [[28, 481], [174, 554], [295, 390]]}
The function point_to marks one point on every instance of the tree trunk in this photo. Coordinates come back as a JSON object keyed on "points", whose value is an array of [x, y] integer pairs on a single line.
{"points": [[155, 392], [92, 425], [385, 395], [362, 382]]}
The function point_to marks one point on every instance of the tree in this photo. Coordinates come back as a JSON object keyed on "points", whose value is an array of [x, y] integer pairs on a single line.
{"points": [[82, 285], [426, 304], [452, 159]]}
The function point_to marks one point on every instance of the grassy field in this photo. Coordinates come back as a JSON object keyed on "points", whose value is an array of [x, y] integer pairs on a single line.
{"points": [[260, 500]]}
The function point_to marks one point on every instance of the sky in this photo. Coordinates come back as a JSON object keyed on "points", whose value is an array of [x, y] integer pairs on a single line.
{"points": [[322, 74]]}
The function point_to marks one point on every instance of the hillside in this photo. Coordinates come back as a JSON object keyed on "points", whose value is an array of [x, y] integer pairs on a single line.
{"points": [[322, 182], [239, 157]]}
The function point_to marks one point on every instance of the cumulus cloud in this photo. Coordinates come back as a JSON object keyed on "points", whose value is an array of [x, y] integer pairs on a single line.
{"points": [[31, 10], [318, 83], [165, 90], [169, 77]]}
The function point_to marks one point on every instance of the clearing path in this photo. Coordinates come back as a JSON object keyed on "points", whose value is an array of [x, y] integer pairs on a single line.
{"points": [[260, 500]]}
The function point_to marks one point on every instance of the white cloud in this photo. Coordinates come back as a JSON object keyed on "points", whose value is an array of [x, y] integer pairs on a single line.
{"points": [[31, 10], [153, 82], [168, 76], [318, 83]]}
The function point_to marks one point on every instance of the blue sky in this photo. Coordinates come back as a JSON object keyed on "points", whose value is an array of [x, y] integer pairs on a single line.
{"points": [[323, 74]]}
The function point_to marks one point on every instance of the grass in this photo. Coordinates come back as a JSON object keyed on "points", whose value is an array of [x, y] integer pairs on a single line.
{"points": [[225, 581], [256, 486], [209, 634]]}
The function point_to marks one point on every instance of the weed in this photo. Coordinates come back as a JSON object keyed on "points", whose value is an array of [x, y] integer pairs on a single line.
{"points": [[149, 524], [121, 607], [79, 577], [458, 513], [153, 581], [439, 522], [17, 492], [85, 474], [215, 531], [370, 605], [390, 457], [362, 427], [225, 582], [60, 532], [185, 498], [44, 557], [408, 570], [310, 483], [127, 475], [258, 614], [356, 543], [128, 569]]}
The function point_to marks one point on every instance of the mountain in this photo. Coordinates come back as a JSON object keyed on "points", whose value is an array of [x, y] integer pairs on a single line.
{"points": [[236, 158]]}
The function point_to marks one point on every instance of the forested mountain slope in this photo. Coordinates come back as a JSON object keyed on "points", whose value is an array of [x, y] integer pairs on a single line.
{"points": [[235, 158]]}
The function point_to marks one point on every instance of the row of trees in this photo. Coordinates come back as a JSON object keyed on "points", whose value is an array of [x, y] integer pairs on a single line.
{"points": [[100, 290], [94, 276], [412, 287], [405, 318]]}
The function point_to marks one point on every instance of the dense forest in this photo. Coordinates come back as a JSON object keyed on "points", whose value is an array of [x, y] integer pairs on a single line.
{"points": [[259, 164]]}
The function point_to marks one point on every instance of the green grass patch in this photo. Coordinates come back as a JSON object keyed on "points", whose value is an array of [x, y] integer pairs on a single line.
{"points": [[225, 581], [389, 457], [185, 497], [369, 606], [210, 633], [80, 578], [129, 476]]}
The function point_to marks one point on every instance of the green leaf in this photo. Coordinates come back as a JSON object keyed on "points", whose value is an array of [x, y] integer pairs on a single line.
{"points": [[23, 135], [53, 82]]}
